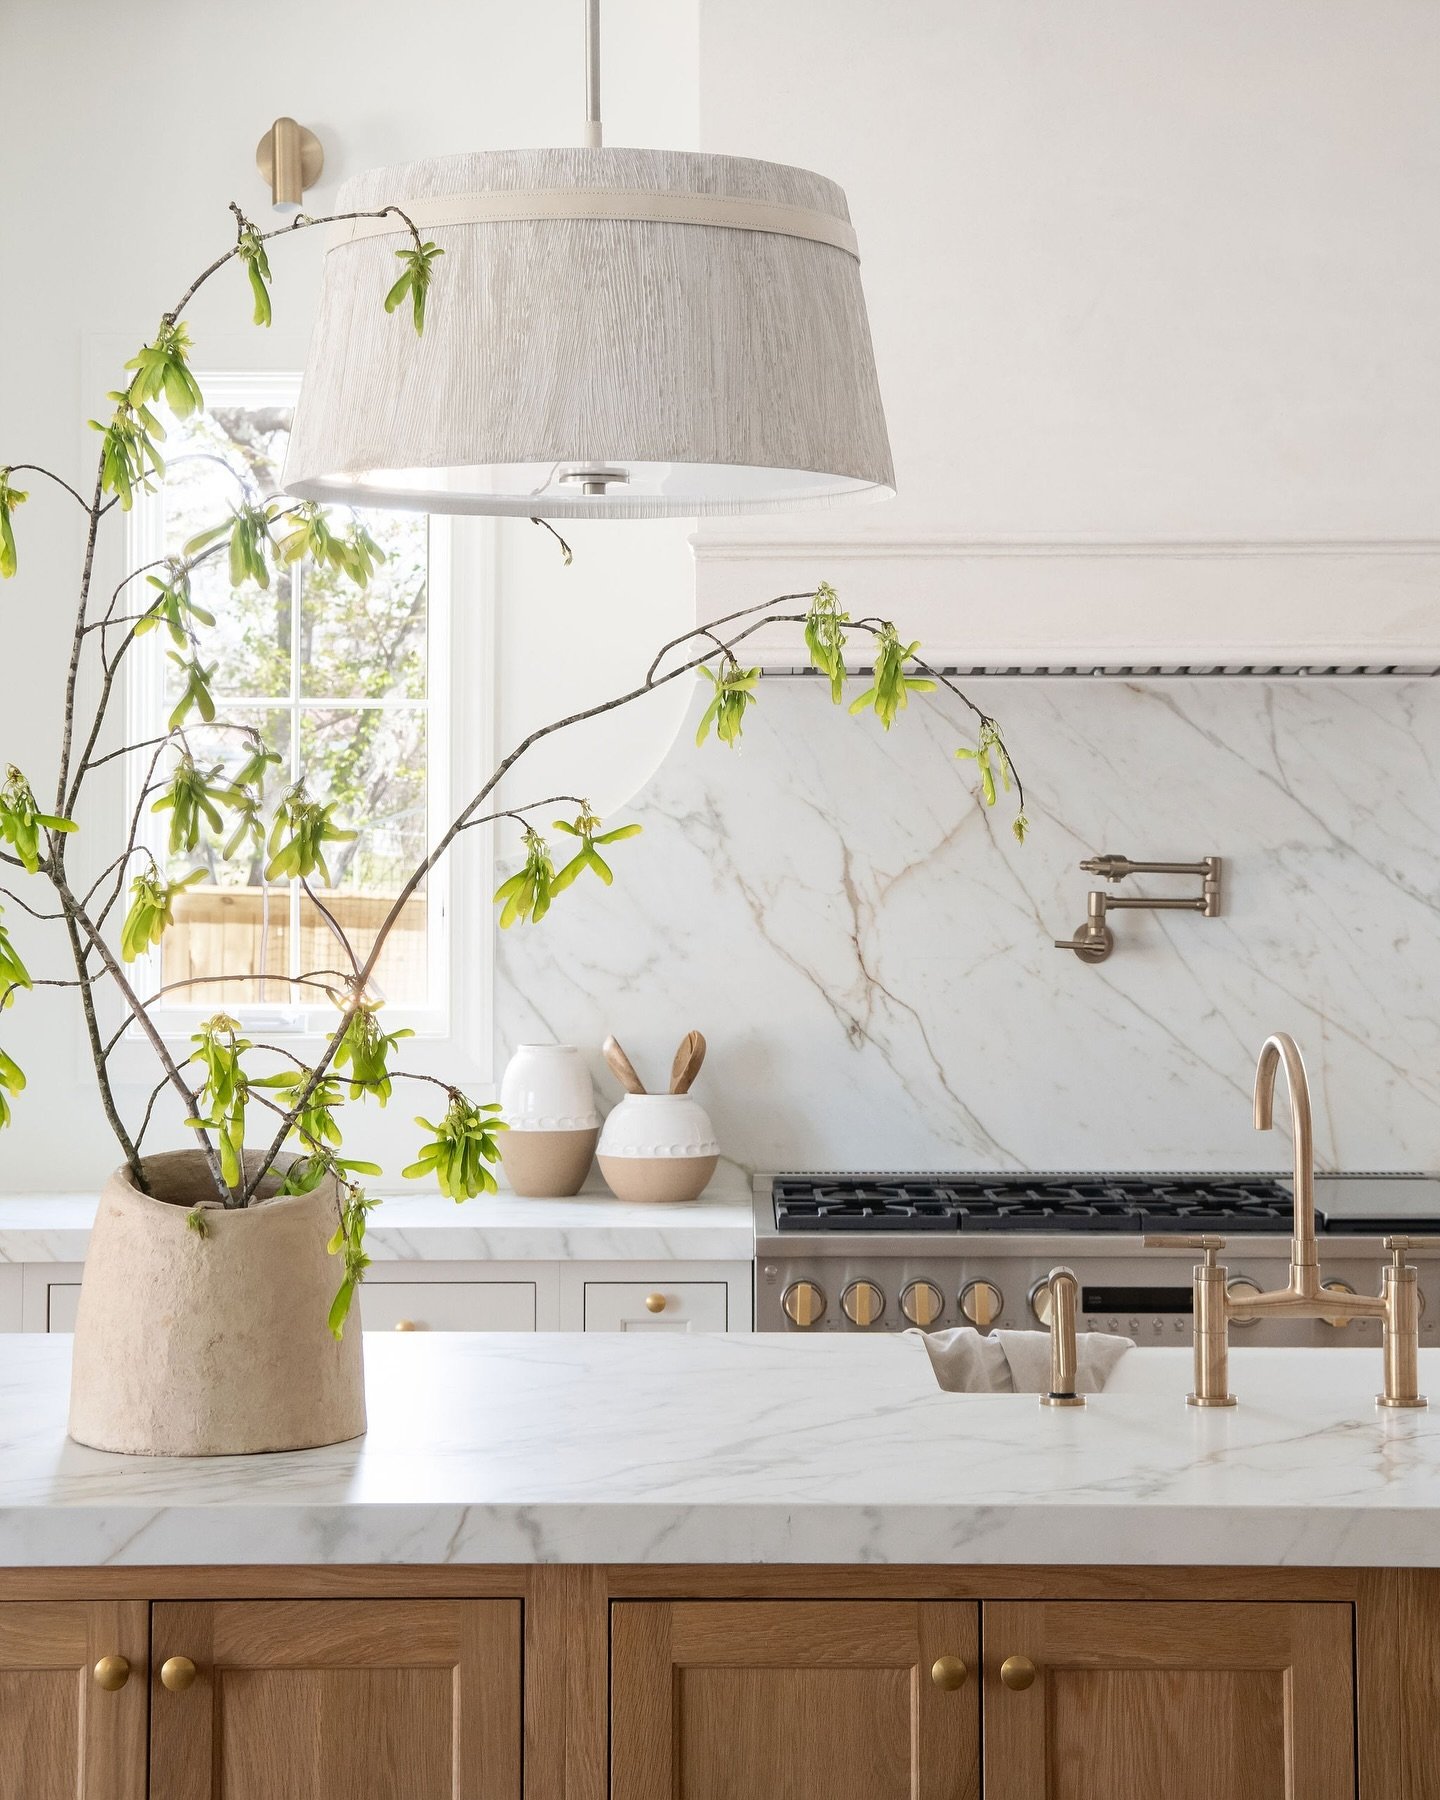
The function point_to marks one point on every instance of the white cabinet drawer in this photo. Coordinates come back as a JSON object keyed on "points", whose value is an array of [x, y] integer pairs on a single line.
{"points": [[63, 1298], [448, 1305], [12, 1311], [656, 1306]]}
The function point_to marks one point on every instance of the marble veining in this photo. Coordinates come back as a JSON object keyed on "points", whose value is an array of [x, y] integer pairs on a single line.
{"points": [[869, 953], [592, 1227], [608, 1448]]}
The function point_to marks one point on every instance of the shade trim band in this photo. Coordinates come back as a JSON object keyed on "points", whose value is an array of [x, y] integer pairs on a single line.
{"points": [[645, 206]]}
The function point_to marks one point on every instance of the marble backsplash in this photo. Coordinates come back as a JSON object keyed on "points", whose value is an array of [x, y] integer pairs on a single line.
{"points": [[868, 951]]}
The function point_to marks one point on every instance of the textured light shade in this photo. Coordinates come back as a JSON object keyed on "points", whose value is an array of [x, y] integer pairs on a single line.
{"points": [[610, 333]]}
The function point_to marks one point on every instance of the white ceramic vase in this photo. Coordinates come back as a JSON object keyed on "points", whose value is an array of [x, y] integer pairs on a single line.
{"points": [[548, 1101], [211, 1342], [658, 1147]]}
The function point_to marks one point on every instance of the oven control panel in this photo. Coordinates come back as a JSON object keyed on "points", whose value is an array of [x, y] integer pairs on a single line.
{"points": [[1147, 1298]]}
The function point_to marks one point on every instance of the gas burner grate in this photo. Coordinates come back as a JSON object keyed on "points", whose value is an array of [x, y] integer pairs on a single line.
{"points": [[989, 1203]]}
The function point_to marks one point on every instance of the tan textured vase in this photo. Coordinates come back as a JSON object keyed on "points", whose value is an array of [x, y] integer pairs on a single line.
{"points": [[213, 1344]]}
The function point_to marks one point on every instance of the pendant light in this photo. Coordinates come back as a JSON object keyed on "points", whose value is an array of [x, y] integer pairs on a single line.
{"points": [[610, 334]]}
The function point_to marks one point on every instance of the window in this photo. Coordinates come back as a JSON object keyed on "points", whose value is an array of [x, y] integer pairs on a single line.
{"points": [[343, 684]]}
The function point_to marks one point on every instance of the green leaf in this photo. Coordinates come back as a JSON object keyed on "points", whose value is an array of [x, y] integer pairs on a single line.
{"points": [[734, 693], [419, 264], [152, 910], [21, 820], [462, 1147], [162, 372], [10, 498], [526, 894], [825, 638], [195, 695], [129, 449], [365, 1050], [13, 973], [892, 687], [12, 1081], [299, 831], [251, 247]]}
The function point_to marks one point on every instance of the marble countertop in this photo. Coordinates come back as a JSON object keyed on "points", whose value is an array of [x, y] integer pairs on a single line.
{"points": [[746, 1449], [426, 1227]]}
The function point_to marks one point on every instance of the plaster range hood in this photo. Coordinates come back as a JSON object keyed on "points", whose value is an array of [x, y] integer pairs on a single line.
{"points": [[1083, 608]]}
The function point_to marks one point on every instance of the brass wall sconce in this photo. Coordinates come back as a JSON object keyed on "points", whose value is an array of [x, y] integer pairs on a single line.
{"points": [[291, 160], [1093, 941]]}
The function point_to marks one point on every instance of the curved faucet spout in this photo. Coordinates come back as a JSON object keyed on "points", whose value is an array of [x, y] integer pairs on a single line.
{"points": [[1282, 1048]]}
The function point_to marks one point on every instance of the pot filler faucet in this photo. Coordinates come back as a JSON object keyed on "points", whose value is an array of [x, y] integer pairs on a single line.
{"points": [[1093, 941], [1398, 1304]]}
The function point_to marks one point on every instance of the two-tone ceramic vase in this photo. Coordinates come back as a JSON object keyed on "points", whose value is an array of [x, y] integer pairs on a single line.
{"points": [[548, 1101], [658, 1147]]}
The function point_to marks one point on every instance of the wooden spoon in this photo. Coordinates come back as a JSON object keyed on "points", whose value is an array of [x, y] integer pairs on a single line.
{"points": [[688, 1059], [621, 1067]]}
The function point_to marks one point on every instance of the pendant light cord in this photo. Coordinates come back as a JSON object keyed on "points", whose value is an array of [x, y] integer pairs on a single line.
{"points": [[594, 135]]}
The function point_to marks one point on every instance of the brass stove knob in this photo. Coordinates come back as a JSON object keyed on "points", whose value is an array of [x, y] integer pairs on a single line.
{"points": [[1040, 1303], [1337, 1287], [982, 1303], [922, 1303], [862, 1303], [1241, 1287], [803, 1303]]}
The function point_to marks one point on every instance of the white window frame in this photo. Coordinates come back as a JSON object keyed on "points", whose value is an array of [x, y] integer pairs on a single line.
{"points": [[455, 1026]]}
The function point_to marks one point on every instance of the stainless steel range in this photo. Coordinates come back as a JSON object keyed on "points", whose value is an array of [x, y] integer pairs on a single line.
{"points": [[884, 1252]]}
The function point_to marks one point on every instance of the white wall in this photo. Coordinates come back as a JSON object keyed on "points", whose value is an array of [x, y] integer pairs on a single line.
{"points": [[1140, 274], [124, 131]]}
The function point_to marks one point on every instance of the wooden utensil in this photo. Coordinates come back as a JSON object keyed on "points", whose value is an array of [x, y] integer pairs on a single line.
{"points": [[688, 1059], [621, 1067]]}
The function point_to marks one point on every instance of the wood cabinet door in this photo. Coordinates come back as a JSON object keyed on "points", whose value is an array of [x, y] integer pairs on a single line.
{"points": [[338, 1700], [1189, 1701], [792, 1700], [62, 1735]]}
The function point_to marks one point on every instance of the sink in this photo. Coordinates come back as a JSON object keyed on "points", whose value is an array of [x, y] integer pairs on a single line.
{"points": [[1270, 1376], [1267, 1376]]}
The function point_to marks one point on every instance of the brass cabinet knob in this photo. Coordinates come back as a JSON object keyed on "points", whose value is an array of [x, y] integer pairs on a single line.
{"points": [[922, 1303], [862, 1303], [404, 1324], [177, 1673], [1017, 1672], [804, 1303], [112, 1672], [948, 1672], [654, 1303]]}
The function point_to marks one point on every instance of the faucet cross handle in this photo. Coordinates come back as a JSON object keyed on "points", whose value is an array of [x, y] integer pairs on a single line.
{"points": [[1400, 1247], [1207, 1243]]}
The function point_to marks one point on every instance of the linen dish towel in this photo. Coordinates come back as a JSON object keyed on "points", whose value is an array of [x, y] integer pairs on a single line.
{"points": [[1016, 1362]]}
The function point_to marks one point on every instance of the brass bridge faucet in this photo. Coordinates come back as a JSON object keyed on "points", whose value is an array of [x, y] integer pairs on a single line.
{"points": [[1397, 1306]]}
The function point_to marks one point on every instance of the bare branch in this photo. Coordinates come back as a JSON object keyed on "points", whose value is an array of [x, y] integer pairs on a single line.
{"points": [[50, 475], [25, 906], [334, 924], [155, 1093]]}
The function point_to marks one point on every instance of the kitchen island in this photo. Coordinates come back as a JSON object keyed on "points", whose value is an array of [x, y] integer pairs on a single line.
{"points": [[648, 1566]]}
